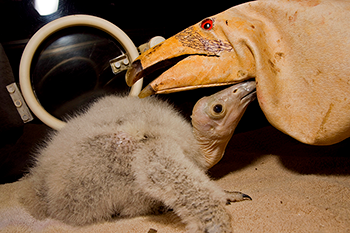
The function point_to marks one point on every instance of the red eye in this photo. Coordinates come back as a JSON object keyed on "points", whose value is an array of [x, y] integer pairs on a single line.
{"points": [[207, 24]]}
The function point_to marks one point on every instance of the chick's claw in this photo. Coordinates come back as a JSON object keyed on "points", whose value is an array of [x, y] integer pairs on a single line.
{"points": [[235, 196]]}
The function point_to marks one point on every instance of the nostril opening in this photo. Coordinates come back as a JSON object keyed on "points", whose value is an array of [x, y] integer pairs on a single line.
{"points": [[235, 90]]}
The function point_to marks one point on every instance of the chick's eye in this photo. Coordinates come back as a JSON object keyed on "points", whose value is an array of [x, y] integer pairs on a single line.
{"points": [[207, 24], [217, 108], [216, 111]]}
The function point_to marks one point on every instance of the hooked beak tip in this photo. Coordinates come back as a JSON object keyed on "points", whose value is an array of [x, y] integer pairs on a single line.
{"points": [[147, 91], [134, 73]]}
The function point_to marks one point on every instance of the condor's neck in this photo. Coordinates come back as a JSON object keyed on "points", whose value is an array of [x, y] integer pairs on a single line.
{"points": [[212, 146]]}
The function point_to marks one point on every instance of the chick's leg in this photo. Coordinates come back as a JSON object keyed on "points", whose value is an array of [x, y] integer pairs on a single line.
{"points": [[167, 175]]}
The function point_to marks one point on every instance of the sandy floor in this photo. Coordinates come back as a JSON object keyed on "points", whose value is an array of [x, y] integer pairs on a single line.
{"points": [[295, 188]]}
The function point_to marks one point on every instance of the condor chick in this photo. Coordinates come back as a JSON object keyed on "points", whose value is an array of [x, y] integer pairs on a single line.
{"points": [[126, 157]]}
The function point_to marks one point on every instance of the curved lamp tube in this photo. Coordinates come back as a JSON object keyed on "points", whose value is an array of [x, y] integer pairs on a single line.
{"points": [[49, 29]]}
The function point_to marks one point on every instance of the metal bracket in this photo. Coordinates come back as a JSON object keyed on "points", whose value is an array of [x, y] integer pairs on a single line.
{"points": [[122, 62], [119, 63], [19, 102]]}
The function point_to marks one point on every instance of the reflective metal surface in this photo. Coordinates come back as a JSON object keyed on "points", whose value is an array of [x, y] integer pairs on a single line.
{"points": [[71, 68]]}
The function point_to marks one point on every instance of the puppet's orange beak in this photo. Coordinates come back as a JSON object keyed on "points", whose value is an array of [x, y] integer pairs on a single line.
{"points": [[196, 57]]}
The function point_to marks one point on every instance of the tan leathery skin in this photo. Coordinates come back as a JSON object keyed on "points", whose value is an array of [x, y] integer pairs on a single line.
{"points": [[297, 51]]}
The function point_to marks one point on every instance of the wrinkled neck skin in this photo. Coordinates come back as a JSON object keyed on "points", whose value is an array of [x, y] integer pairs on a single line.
{"points": [[212, 148]]}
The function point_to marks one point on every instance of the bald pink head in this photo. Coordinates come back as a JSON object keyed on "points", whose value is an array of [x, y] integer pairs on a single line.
{"points": [[215, 118]]}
